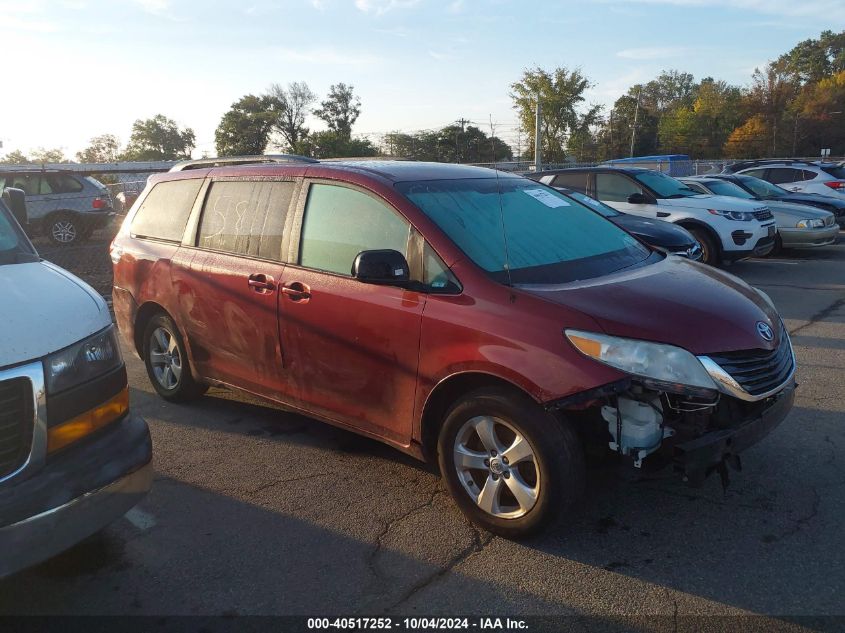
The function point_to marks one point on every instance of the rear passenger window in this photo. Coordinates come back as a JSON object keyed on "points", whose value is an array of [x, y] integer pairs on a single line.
{"points": [[246, 217], [615, 187], [63, 184], [781, 175], [164, 212], [340, 222], [576, 182], [808, 175]]}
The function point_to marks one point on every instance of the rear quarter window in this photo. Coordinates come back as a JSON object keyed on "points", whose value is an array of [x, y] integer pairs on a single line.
{"points": [[575, 181], [164, 212]]}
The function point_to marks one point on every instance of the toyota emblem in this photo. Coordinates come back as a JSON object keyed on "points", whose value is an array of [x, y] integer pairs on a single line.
{"points": [[765, 331]]}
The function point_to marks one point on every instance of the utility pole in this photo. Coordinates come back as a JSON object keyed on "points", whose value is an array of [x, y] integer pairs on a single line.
{"points": [[462, 122], [610, 153], [538, 146], [634, 128]]}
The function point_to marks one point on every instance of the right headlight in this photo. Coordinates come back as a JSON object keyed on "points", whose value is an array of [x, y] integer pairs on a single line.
{"points": [[666, 364], [83, 361], [810, 224], [738, 216]]}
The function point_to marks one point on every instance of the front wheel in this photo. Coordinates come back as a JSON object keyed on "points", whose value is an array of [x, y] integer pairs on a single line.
{"points": [[64, 229], [510, 466], [167, 362], [709, 250]]}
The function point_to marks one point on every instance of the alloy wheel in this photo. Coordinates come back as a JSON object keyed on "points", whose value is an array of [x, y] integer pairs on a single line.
{"points": [[165, 358], [63, 231], [497, 467]]}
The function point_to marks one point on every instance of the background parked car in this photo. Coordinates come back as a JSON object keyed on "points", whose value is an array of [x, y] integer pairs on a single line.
{"points": [[663, 235], [64, 206], [799, 226], [827, 179], [728, 229]]}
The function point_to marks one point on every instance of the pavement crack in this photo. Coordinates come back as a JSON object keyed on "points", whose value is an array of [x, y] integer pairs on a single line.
{"points": [[479, 542], [820, 315], [389, 525]]}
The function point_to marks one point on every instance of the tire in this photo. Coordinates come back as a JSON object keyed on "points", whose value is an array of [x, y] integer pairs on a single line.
{"points": [[709, 250], [167, 362], [64, 229], [778, 248], [547, 482]]}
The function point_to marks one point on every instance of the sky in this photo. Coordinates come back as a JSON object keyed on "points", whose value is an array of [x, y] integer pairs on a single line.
{"points": [[75, 69]]}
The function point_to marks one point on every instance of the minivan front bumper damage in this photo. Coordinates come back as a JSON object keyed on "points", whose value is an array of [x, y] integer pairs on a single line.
{"points": [[699, 457]]}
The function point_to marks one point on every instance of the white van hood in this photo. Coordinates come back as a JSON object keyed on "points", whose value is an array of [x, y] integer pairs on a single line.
{"points": [[704, 201], [43, 309]]}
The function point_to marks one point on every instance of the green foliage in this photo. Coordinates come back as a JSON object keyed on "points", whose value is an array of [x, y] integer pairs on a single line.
{"points": [[101, 149], [452, 143], [813, 60], [159, 138], [245, 128], [42, 155], [340, 109], [561, 96], [15, 157], [333, 144]]}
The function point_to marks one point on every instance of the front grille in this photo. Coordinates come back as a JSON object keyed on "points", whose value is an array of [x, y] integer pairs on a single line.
{"points": [[758, 371], [16, 421], [763, 214]]}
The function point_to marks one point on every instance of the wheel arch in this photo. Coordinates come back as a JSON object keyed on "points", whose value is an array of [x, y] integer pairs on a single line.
{"points": [[448, 391], [146, 312], [690, 223]]}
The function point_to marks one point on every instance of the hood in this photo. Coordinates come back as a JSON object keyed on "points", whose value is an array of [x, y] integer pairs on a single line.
{"points": [[45, 309], [787, 213], [814, 198], [704, 201], [675, 301], [655, 232]]}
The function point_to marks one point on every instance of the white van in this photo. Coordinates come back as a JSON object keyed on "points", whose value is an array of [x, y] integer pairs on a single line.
{"points": [[73, 457], [728, 229]]}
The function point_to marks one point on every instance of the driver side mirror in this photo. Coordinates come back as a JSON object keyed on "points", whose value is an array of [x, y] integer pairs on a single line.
{"points": [[637, 198], [383, 267], [16, 199]]}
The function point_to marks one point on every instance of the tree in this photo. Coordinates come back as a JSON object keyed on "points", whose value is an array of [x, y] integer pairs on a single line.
{"points": [[15, 157], [245, 128], [772, 90], [101, 149], [43, 155], [670, 89], [340, 110], [159, 138], [813, 60], [333, 144], [453, 143], [614, 137], [750, 139], [561, 95], [292, 105]]}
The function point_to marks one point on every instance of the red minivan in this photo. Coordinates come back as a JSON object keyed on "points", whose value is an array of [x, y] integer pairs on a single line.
{"points": [[457, 313]]}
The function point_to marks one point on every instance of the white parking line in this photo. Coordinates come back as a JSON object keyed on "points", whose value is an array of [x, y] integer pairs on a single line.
{"points": [[771, 261], [140, 519]]}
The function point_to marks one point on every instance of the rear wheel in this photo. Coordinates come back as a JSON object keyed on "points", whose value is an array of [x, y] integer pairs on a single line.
{"points": [[709, 249], [167, 362], [64, 229], [510, 466]]}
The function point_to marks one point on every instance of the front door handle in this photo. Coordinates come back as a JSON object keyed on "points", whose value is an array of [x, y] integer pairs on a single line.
{"points": [[261, 283], [297, 291]]}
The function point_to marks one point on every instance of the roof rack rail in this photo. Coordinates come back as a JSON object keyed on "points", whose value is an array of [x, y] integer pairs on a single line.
{"points": [[202, 163]]}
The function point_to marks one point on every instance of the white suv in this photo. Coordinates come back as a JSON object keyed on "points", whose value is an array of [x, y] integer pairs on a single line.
{"points": [[827, 179], [728, 229]]}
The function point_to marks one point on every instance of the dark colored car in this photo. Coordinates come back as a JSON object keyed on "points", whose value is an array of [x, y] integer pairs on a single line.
{"points": [[73, 455], [455, 313], [764, 190], [666, 236]]}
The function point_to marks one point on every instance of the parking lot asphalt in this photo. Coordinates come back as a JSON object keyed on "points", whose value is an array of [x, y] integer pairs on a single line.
{"points": [[257, 511]]}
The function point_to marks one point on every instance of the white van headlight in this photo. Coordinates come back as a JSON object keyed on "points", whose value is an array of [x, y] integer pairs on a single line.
{"points": [[83, 361], [656, 361]]}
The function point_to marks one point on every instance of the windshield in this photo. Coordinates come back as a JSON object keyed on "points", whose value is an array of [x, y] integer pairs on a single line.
{"points": [[727, 188], [523, 232], [14, 246], [600, 207], [762, 188], [664, 186]]}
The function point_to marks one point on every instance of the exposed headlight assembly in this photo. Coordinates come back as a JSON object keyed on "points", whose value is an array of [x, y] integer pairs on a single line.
{"points": [[83, 361], [810, 224], [663, 367]]}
